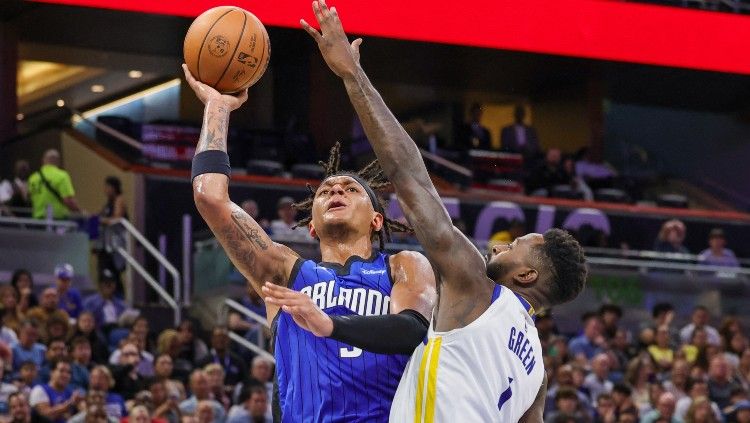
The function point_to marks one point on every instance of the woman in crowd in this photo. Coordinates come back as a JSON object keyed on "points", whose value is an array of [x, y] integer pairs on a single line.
{"points": [[24, 286]]}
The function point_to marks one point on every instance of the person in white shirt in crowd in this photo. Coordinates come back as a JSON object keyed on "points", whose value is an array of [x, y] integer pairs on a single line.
{"points": [[200, 391], [717, 254], [597, 382], [251, 407], [284, 226], [699, 319], [695, 388]]}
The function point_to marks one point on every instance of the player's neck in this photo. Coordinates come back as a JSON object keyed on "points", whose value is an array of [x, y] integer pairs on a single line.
{"points": [[339, 250]]}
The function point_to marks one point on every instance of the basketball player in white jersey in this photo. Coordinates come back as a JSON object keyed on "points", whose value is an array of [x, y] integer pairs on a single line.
{"points": [[481, 359]]}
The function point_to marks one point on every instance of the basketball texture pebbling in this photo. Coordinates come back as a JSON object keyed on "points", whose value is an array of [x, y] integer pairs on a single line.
{"points": [[227, 48]]}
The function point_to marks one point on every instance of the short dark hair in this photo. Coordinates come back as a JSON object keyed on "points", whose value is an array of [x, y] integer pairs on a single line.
{"points": [[661, 308], [692, 382], [115, 183], [79, 340], [566, 393], [610, 308], [622, 388], [565, 264], [603, 396], [17, 275]]}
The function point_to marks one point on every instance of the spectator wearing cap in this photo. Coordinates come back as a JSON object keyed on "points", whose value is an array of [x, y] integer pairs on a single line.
{"points": [[590, 342], [699, 319], [48, 307], [27, 348], [70, 297], [284, 225], [717, 254], [105, 305]]}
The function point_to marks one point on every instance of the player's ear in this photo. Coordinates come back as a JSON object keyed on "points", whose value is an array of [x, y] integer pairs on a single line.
{"points": [[525, 275], [311, 229], [377, 222]]}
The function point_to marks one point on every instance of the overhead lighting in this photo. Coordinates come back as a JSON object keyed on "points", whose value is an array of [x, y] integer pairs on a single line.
{"points": [[135, 74], [125, 100], [60, 103], [97, 88], [20, 116]]}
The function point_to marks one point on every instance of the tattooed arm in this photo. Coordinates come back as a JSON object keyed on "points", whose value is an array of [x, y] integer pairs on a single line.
{"points": [[247, 245], [465, 290]]}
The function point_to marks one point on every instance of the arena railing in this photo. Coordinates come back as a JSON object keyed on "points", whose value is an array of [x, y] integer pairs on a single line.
{"points": [[23, 222], [260, 320], [651, 255], [112, 245]]}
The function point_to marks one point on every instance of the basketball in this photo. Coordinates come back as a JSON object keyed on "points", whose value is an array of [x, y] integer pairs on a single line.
{"points": [[227, 48]]}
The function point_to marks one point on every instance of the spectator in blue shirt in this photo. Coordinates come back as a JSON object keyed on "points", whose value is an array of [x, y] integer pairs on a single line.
{"points": [[591, 341], [717, 254], [27, 348], [70, 298], [105, 306]]}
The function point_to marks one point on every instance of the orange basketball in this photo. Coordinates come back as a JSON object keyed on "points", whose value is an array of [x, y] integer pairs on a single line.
{"points": [[227, 48]]}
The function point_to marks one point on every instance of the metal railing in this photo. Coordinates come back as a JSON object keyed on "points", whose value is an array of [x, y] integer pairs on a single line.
{"points": [[126, 252], [260, 320], [23, 222]]}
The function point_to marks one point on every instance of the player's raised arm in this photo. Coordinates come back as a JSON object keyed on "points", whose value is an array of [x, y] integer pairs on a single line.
{"points": [[455, 258], [247, 245]]}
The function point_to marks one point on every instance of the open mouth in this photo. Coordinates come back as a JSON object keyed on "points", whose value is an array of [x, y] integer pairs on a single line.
{"points": [[336, 205]]}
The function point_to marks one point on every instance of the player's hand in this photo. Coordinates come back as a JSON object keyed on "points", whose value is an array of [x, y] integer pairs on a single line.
{"points": [[206, 93], [341, 57], [301, 307]]}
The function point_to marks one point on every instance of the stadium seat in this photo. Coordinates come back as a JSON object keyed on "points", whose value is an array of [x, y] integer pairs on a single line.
{"points": [[677, 201], [565, 191], [265, 168], [611, 195], [308, 171]]}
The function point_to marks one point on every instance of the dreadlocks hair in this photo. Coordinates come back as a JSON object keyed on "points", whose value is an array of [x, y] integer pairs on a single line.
{"points": [[373, 176]]}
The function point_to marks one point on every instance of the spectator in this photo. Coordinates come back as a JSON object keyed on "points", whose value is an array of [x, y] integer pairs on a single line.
{"points": [[11, 312], [563, 380], [720, 383], [15, 193], [251, 407], [56, 351], [140, 414], [105, 305], [145, 363], [740, 413], [220, 353], [115, 207], [547, 175], [591, 341], [717, 254], [566, 403], [51, 186], [81, 363], [697, 346], [661, 352], [48, 307], [200, 392], [743, 369], [700, 412], [168, 344], [194, 350], [6, 390], [696, 388], [27, 348], [284, 226], [663, 315], [605, 412], [699, 319], [261, 373], [56, 328], [610, 315], [245, 326], [166, 405], [215, 374], [251, 208], [472, 134], [664, 410], [19, 409], [205, 413], [102, 380], [596, 173], [638, 375], [671, 238], [678, 378], [24, 286], [163, 370], [734, 348], [70, 297], [127, 379], [519, 137], [27, 377], [622, 398], [597, 382], [55, 400], [95, 410], [86, 328]]}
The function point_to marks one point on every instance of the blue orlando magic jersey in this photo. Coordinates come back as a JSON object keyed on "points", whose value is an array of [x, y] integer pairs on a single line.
{"points": [[324, 380]]}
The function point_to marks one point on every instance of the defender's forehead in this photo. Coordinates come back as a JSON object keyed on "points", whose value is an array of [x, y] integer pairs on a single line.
{"points": [[339, 179]]}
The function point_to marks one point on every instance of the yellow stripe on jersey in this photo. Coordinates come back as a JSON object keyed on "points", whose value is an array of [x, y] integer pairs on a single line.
{"points": [[427, 380], [429, 414]]}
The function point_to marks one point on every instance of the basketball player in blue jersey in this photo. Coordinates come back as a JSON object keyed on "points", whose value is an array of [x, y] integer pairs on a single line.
{"points": [[322, 380], [481, 360]]}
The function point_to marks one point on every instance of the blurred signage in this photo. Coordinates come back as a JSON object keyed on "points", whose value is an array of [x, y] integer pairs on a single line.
{"points": [[169, 142], [597, 29]]}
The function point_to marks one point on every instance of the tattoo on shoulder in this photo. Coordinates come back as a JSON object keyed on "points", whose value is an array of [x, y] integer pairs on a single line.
{"points": [[250, 233]]}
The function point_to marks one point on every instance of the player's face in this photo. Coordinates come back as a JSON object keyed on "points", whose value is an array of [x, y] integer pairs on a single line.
{"points": [[341, 201], [506, 263]]}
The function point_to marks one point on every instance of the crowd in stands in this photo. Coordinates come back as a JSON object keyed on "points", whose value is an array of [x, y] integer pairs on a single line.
{"points": [[65, 357]]}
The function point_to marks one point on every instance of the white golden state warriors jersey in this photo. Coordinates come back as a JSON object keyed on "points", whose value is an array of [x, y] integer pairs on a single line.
{"points": [[488, 371]]}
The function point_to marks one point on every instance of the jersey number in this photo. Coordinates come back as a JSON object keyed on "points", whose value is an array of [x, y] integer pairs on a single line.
{"points": [[505, 396], [350, 352]]}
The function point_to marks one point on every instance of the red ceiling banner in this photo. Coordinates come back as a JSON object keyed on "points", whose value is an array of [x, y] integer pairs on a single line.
{"points": [[597, 29]]}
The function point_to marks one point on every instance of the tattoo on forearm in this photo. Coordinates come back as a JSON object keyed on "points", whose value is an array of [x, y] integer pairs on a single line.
{"points": [[214, 135], [250, 233]]}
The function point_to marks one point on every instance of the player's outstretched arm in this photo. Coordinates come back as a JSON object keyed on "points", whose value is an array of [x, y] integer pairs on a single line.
{"points": [[460, 265], [412, 299], [247, 245]]}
